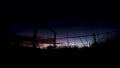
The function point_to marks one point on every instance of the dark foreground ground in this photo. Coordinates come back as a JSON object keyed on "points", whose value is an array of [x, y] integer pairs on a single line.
{"points": [[103, 54]]}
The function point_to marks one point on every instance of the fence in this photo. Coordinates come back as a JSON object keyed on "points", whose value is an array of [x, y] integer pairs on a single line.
{"points": [[86, 40], [79, 41]]}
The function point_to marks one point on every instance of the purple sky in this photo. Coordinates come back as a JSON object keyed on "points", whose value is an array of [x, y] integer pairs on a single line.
{"points": [[74, 27]]}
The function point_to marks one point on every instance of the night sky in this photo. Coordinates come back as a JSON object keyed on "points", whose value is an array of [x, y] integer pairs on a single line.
{"points": [[74, 26], [76, 18]]}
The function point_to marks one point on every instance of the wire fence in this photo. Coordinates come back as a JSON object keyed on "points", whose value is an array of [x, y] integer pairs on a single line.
{"points": [[86, 40], [69, 41]]}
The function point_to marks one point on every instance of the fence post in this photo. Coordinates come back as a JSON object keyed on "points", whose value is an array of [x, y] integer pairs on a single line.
{"points": [[54, 39], [94, 36], [67, 36], [35, 35]]}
